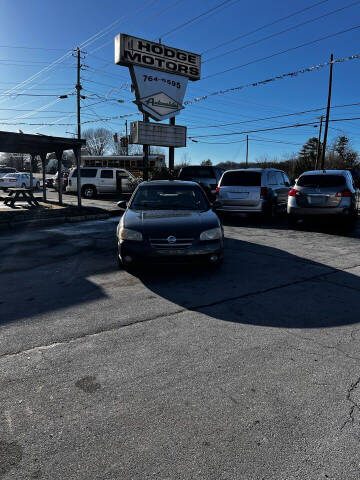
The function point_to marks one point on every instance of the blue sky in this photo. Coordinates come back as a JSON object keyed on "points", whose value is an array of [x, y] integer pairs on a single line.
{"points": [[50, 29]]}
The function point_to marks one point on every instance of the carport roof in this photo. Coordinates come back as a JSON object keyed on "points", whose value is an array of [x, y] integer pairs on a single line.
{"points": [[11, 142]]}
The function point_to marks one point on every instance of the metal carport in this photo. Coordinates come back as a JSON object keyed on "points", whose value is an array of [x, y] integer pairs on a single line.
{"points": [[41, 145]]}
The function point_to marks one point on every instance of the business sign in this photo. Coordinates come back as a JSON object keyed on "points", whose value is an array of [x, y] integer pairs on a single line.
{"points": [[158, 94], [131, 50], [159, 134]]}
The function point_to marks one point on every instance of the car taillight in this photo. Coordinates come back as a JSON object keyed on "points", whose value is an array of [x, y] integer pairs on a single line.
{"points": [[293, 192], [12, 180], [217, 190], [263, 192], [345, 193]]}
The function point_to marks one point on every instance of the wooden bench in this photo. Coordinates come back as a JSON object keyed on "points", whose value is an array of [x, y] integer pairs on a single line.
{"points": [[21, 194]]}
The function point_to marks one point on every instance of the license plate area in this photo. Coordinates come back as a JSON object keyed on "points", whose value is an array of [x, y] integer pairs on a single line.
{"points": [[171, 251], [316, 200], [239, 195]]}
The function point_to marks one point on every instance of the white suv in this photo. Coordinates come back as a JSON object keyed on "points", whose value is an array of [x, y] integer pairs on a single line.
{"points": [[98, 180]]}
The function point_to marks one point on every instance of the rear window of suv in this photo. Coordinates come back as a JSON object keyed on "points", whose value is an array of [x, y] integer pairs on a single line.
{"points": [[198, 172], [321, 181], [241, 179]]}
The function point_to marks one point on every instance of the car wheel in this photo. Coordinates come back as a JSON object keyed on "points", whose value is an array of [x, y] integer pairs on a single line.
{"points": [[23, 185], [88, 191]]}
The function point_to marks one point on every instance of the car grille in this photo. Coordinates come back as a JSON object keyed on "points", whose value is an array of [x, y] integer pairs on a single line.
{"points": [[164, 243]]}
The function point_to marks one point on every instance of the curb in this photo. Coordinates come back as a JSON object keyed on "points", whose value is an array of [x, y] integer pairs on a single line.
{"points": [[48, 222]]}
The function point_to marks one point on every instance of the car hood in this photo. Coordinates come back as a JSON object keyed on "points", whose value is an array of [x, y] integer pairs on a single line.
{"points": [[170, 222]]}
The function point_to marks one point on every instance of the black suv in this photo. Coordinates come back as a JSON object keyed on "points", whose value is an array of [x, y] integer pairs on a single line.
{"points": [[206, 176]]}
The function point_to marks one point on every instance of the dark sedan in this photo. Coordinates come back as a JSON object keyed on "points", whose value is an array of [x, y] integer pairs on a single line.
{"points": [[169, 221]]}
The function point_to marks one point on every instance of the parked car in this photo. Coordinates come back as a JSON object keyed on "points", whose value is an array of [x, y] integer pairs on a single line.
{"points": [[206, 176], [18, 180], [169, 220], [252, 190], [95, 180], [49, 182], [322, 192], [5, 170], [64, 176]]}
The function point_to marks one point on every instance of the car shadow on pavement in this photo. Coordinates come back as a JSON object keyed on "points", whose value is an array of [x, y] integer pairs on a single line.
{"points": [[261, 285], [44, 274]]}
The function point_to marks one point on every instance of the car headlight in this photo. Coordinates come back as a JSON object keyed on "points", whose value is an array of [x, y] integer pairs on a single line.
{"points": [[212, 234], [127, 234]]}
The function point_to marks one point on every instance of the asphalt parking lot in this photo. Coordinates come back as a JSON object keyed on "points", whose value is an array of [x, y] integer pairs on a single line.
{"points": [[249, 371]]}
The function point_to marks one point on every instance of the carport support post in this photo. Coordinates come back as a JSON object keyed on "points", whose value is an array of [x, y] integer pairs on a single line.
{"points": [[77, 153], [32, 156], [59, 154], [43, 159]]}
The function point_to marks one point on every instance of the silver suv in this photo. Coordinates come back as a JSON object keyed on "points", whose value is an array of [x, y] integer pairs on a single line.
{"points": [[252, 190], [323, 192]]}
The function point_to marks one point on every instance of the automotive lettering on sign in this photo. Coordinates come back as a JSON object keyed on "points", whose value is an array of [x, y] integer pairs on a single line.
{"points": [[137, 51], [160, 105]]}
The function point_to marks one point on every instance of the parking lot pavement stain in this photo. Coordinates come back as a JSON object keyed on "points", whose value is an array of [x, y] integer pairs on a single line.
{"points": [[88, 384], [11, 454]]}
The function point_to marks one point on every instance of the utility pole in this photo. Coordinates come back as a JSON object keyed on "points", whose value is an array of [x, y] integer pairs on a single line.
{"points": [[327, 113], [319, 144], [127, 142], [78, 89], [247, 151], [78, 153]]}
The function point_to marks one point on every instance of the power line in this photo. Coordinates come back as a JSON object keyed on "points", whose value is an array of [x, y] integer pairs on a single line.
{"points": [[191, 20], [272, 79], [142, 23], [276, 116], [270, 129], [283, 51], [33, 48], [263, 26], [281, 32]]}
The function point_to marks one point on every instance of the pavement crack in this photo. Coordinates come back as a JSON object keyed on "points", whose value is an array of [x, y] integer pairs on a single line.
{"points": [[322, 345], [354, 405]]}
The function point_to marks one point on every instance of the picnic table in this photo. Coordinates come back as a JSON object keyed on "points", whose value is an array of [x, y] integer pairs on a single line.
{"points": [[21, 194]]}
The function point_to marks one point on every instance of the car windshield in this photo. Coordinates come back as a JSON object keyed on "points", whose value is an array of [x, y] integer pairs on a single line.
{"points": [[321, 181], [241, 179], [169, 198], [199, 172]]}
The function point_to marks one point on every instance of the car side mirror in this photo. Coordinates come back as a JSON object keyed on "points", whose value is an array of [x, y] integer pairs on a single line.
{"points": [[287, 184], [122, 205]]}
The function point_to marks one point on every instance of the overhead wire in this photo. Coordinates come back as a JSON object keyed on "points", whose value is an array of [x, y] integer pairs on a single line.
{"points": [[282, 52], [293, 27], [191, 20], [263, 26]]}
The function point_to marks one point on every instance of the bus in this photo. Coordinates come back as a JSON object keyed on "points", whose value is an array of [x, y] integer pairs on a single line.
{"points": [[133, 163]]}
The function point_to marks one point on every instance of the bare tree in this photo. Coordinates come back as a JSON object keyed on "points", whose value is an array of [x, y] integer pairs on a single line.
{"points": [[98, 140]]}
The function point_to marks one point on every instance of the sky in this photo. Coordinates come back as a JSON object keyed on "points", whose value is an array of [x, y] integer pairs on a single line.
{"points": [[36, 66]]}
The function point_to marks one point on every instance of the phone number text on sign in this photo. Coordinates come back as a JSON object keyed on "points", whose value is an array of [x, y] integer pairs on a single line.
{"points": [[172, 83]]}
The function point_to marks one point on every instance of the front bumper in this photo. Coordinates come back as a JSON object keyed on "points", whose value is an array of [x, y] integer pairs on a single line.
{"points": [[144, 252]]}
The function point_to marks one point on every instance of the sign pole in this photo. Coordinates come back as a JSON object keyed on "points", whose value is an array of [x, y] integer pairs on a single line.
{"points": [[146, 154], [172, 150]]}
